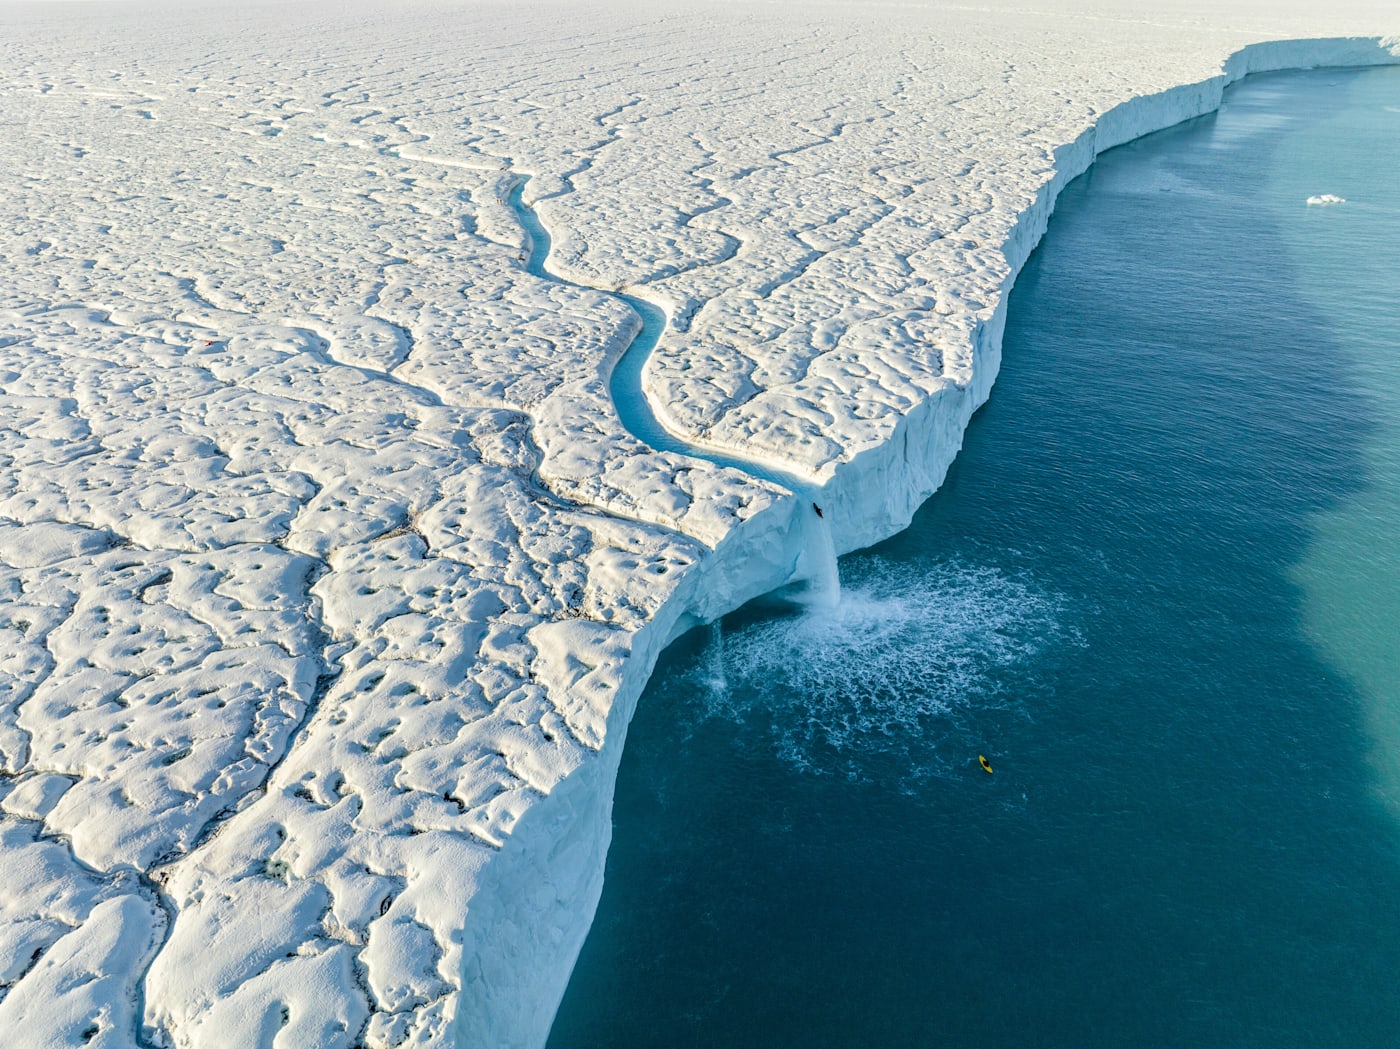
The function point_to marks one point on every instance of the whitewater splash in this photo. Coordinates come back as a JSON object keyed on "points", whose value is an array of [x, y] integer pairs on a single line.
{"points": [[876, 682], [818, 566], [715, 679]]}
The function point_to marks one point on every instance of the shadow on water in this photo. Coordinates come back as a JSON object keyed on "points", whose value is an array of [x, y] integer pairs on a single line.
{"points": [[1180, 845]]}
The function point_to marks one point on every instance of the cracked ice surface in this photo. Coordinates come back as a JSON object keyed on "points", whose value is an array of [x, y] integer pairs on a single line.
{"points": [[329, 575]]}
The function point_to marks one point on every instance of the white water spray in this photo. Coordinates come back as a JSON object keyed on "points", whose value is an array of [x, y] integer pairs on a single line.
{"points": [[882, 680], [818, 564], [716, 679]]}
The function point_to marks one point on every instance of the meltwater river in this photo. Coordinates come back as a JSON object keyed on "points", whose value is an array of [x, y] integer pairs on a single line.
{"points": [[1160, 591]]}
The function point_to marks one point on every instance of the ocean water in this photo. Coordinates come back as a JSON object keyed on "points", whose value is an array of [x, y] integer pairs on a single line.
{"points": [[1160, 591]]}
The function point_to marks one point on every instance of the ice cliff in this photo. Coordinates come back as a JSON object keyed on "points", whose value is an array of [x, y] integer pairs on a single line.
{"points": [[330, 576]]}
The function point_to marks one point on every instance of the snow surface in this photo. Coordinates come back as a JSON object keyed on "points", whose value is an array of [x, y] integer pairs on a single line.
{"points": [[330, 577]]}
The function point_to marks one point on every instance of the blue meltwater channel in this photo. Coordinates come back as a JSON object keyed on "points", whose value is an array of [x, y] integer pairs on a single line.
{"points": [[1160, 591]]}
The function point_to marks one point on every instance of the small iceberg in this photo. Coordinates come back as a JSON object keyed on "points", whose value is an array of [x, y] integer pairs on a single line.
{"points": [[1326, 198]]}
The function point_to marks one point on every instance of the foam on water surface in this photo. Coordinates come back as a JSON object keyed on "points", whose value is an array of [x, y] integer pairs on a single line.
{"points": [[883, 678]]}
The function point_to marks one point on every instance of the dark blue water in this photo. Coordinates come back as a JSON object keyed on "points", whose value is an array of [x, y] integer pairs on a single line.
{"points": [[1160, 591]]}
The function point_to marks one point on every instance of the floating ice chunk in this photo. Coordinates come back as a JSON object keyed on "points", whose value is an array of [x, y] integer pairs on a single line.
{"points": [[1325, 199]]}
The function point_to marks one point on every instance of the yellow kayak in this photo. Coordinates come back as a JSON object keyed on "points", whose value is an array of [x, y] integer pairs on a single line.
{"points": [[986, 765]]}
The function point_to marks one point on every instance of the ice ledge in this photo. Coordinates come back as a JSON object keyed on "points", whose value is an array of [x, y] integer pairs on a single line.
{"points": [[515, 978], [909, 467]]}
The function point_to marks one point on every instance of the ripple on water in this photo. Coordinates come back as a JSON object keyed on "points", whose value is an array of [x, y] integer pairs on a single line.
{"points": [[881, 680]]}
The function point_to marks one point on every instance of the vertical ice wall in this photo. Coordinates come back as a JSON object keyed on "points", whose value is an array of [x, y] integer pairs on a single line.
{"points": [[875, 492]]}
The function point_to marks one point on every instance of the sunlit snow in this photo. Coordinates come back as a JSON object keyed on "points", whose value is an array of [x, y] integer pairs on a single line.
{"points": [[330, 575]]}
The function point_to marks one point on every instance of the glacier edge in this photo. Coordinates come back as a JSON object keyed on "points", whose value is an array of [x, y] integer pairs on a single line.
{"points": [[513, 984]]}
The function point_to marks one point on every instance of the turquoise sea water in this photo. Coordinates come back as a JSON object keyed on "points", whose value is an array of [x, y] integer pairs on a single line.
{"points": [[1160, 591]]}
